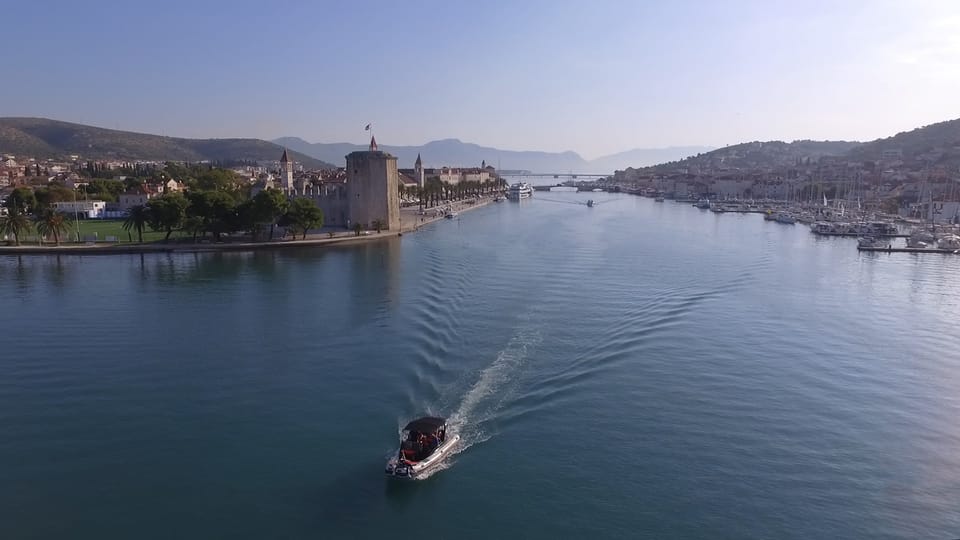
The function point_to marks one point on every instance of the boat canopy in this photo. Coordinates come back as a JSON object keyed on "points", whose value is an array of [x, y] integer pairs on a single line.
{"points": [[427, 424]]}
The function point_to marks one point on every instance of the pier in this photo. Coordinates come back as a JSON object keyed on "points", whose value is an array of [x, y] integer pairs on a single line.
{"points": [[908, 250]]}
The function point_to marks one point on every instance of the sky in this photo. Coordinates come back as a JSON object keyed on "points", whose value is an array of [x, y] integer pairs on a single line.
{"points": [[596, 77]]}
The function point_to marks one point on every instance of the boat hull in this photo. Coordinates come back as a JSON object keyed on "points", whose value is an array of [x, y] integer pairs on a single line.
{"points": [[412, 471]]}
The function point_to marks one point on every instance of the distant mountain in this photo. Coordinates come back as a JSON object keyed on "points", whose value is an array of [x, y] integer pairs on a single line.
{"points": [[643, 157], [43, 138], [447, 152], [455, 153], [759, 154], [936, 144]]}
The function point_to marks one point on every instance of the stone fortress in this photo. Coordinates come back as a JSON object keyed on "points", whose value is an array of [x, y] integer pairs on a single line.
{"points": [[368, 189], [369, 193]]}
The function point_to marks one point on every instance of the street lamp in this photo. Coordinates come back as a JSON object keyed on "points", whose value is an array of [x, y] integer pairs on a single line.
{"points": [[76, 213]]}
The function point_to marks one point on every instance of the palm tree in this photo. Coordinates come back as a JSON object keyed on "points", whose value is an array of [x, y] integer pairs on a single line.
{"points": [[137, 219], [16, 224], [378, 224], [50, 221]]}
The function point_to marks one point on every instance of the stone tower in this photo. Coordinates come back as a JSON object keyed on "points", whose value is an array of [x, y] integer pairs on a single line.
{"points": [[372, 188], [418, 171], [286, 173]]}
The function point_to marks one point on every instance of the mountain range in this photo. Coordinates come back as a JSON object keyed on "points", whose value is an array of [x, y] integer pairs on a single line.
{"points": [[932, 145], [456, 153], [44, 138]]}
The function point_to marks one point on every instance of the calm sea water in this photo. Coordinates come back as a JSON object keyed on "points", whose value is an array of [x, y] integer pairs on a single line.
{"points": [[630, 370]]}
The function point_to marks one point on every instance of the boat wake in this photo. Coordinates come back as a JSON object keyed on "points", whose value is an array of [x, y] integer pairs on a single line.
{"points": [[495, 385]]}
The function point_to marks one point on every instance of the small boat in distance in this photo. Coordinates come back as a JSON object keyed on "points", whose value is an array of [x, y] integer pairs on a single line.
{"points": [[590, 203], [658, 199], [450, 215], [424, 443]]}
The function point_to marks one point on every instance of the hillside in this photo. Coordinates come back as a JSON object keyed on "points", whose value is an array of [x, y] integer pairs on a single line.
{"points": [[43, 138], [759, 154], [455, 153], [936, 144]]}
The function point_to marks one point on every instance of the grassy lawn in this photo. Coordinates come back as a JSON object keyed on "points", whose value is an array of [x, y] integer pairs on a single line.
{"points": [[104, 228]]}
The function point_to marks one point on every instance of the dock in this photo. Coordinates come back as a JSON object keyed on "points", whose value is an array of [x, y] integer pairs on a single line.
{"points": [[865, 234], [907, 250]]}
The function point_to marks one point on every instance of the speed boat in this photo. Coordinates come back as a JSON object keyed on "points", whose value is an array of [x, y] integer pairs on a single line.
{"points": [[424, 443]]}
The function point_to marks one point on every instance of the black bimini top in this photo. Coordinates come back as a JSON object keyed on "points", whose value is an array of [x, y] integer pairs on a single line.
{"points": [[427, 424]]}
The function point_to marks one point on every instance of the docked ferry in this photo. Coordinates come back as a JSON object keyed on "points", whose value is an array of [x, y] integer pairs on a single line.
{"points": [[520, 190]]}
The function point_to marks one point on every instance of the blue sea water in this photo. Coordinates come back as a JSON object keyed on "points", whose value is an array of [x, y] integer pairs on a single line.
{"points": [[631, 370]]}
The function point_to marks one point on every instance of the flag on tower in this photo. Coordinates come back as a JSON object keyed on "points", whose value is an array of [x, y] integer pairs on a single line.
{"points": [[367, 128]]}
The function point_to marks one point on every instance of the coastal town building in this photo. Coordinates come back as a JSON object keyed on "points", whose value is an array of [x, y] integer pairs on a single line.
{"points": [[286, 173], [138, 196], [88, 209]]}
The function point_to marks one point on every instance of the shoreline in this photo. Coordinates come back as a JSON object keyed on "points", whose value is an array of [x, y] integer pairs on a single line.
{"points": [[320, 239]]}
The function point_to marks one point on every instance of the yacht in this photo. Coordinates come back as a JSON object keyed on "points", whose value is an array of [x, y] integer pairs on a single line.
{"points": [[520, 190], [949, 241], [785, 218], [424, 443]]}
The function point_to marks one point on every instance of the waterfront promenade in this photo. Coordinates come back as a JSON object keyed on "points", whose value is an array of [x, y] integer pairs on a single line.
{"points": [[410, 221]]}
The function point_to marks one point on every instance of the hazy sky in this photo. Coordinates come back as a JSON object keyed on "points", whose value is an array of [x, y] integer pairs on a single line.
{"points": [[596, 77]]}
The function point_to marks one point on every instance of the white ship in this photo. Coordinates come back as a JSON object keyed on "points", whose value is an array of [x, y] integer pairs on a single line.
{"points": [[520, 190]]}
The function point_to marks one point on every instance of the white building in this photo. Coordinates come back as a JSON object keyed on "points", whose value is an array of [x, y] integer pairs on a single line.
{"points": [[134, 197], [89, 209]]}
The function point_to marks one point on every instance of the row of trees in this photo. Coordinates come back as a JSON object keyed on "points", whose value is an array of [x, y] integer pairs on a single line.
{"points": [[48, 222], [435, 191], [219, 212]]}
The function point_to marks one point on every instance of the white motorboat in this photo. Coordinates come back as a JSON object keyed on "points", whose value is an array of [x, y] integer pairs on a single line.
{"points": [[424, 443], [949, 241], [520, 190], [450, 215]]}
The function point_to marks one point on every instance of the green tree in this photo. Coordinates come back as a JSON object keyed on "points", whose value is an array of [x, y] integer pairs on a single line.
{"points": [[49, 221], [304, 215], [21, 200], [217, 209], [269, 205], [137, 218], [378, 224], [193, 225], [167, 213], [217, 180], [15, 223], [106, 190]]}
